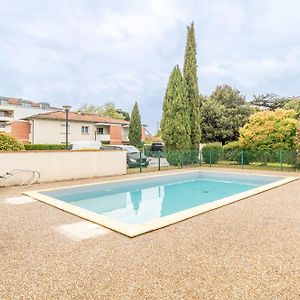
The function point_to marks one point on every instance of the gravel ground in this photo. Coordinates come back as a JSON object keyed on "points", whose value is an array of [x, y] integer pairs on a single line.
{"points": [[246, 250]]}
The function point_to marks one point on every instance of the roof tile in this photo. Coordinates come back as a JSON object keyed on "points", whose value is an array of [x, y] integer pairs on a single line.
{"points": [[61, 115]]}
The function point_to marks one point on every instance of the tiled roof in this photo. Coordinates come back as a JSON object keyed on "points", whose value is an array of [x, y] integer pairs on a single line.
{"points": [[19, 101], [14, 101], [61, 115]]}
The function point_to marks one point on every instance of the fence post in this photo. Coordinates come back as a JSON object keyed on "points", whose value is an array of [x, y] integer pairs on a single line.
{"points": [[280, 157], [158, 160], [242, 158], [180, 156], [200, 157], [210, 157], [140, 161]]}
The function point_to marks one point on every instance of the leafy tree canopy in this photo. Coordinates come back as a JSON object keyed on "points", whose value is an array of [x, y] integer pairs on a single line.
{"points": [[295, 105], [228, 96], [269, 130], [269, 101], [223, 113], [107, 110], [125, 114]]}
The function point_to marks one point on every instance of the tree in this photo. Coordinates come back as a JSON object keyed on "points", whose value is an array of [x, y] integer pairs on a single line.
{"points": [[214, 122], [135, 127], [110, 110], [190, 76], [269, 130], [223, 113], [175, 123], [295, 105], [107, 110], [125, 114], [90, 109], [269, 101]]}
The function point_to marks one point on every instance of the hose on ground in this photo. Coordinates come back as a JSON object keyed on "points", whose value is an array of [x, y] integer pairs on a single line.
{"points": [[33, 179]]}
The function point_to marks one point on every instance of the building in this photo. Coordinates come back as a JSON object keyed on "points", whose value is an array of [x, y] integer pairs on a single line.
{"points": [[13, 110], [50, 128]]}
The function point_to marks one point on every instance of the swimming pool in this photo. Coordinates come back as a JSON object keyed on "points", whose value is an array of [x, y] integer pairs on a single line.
{"points": [[136, 206]]}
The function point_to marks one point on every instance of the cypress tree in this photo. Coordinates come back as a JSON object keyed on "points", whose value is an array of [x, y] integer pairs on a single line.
{"points": [[175, 123], [135, 127], [190, 76]]}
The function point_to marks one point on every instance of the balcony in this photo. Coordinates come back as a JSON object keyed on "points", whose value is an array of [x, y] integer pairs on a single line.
{"points": [[103, 137], [6, 119]]}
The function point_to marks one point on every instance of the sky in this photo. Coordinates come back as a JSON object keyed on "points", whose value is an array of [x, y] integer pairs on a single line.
{"points": [[93, 51]]}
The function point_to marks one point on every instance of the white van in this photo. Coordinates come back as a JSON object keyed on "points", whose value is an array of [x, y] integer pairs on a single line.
{"points": [[85, 145]]}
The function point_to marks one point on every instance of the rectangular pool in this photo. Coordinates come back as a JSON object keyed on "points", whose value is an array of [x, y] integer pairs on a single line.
{"points": [[140, 205]]}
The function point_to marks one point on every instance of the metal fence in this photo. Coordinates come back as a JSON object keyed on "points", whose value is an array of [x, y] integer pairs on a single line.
{"points": [[280, 160]]}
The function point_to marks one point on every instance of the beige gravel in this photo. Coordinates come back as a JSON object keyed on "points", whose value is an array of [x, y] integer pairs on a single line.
{"points": [[246, 250]]}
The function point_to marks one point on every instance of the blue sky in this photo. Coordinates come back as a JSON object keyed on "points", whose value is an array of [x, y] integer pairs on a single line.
{"points": [[91, 51]]}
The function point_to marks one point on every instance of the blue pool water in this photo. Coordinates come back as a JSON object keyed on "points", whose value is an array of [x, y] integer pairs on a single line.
{"points": [[139, 201]]}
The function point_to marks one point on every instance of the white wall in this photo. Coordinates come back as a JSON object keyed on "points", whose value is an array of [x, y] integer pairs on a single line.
{"points": [[62, 165], [54, 131], [20, 112]]}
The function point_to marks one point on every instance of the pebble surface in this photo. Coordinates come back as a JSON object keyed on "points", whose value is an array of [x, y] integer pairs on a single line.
{"points": [[247, 250]]}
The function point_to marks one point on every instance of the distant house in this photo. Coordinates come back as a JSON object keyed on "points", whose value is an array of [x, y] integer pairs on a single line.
{"points": [[50, 128], [13, 110]]}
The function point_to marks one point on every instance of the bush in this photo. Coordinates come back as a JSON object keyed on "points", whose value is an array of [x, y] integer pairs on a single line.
{"points": [[147, 149], [9, 143], [178, 157], [212, 153], [45, 147], [233, 152]]}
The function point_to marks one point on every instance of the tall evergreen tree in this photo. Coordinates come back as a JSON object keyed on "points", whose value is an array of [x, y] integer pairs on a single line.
{"points": [[135, 127], [175, 123], [190, 76]]}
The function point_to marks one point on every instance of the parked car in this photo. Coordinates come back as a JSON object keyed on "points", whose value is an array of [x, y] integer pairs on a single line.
{"points": [[133, 155], [157, 146], [85, 145]]}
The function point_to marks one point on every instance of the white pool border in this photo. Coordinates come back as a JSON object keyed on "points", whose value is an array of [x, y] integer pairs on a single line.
{"points": [[132, 230]]}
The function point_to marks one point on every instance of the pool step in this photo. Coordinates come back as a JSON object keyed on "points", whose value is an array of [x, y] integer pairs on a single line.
{"points": [[82, 230]]}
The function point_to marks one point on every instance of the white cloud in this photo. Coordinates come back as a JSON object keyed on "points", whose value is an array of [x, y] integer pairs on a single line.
{"points": [[93, 51]]}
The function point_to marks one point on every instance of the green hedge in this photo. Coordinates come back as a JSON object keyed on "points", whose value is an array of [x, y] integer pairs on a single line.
{"points": [[147, 149], [233, 152], [178, 157], [45, 147], [212, 153], [9, 143]]}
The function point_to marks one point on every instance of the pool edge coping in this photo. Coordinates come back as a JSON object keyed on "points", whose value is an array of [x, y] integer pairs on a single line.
{"points": [[132, 230]]}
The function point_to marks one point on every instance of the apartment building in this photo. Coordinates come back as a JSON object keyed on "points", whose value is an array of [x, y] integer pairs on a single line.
{"points": [[13, 110], [50, 128]]}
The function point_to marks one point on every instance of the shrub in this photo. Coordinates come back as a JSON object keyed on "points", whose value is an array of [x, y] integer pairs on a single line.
{"points": [[212, 153], [147, 149], [45, 147], [178, 157], [9, 143], [233, 152]]}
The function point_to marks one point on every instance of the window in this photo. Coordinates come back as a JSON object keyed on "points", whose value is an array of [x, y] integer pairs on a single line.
{"points": [[85, 129], [44, 105], [99, 130], [26, 104], [2, 114], [3, 102]]}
